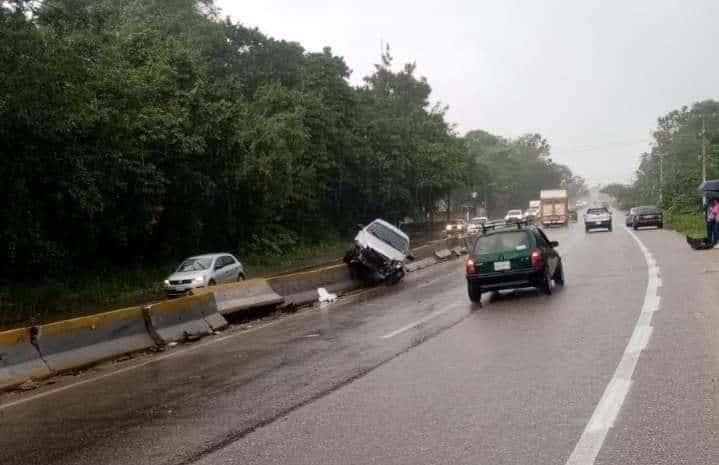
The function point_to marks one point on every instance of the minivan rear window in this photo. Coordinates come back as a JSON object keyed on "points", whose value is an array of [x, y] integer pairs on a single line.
{"points": [[597, 211], [493, 243]]}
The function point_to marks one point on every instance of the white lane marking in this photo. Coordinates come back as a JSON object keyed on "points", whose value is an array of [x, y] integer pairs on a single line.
{"points": [[606, 411], [419, 322]]}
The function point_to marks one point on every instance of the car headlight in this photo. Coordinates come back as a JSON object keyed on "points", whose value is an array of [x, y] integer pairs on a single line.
{"points": [[449, 227], [199, 279], [166, 282]]}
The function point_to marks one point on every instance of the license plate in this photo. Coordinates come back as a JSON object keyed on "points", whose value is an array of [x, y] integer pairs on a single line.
{"points": [[502, 266]]}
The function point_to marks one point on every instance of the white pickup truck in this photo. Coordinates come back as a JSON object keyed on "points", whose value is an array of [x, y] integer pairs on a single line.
{"points": [[382, 249]]}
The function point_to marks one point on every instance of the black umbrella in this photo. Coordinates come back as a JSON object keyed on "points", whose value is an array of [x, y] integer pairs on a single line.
{"points": [[710, 189]]}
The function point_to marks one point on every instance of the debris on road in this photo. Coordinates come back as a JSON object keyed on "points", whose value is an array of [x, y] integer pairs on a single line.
{"points": [[326, 296], [28, 385], [699, 243]]}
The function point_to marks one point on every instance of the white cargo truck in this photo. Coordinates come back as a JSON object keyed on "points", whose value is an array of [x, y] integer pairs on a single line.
{"points": [[554, 207]]}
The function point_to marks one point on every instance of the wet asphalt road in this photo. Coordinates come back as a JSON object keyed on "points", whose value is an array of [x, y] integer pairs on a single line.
{"points": [[414, 375]]}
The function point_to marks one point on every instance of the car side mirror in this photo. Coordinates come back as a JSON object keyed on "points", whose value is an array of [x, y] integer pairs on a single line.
{"points": [[218, 267], [554, 243]]}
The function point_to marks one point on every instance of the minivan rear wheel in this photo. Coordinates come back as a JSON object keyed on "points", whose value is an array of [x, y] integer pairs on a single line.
{"points": [[559, 275], [546, 285], [474, 291]]}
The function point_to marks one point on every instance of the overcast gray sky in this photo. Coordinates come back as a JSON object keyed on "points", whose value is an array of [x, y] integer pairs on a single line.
{"points": [[592, 76]]}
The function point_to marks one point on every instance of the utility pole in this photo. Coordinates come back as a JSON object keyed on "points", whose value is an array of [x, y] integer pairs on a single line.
{"points": [[704, 152], [661, 178]]}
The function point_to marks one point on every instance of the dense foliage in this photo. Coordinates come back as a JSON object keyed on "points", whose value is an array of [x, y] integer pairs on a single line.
{"points": [[510, 173], [678, 141], [138, 131]]}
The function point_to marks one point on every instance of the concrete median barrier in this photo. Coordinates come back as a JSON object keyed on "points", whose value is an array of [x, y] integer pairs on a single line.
{"points": [[19, 358], [443, 254], [459, 250], [235, 297], [79, 342], [301, 288], [184, 318], [422, 252], [420, 264]]}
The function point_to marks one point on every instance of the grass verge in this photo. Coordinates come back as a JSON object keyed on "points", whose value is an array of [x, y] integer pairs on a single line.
{"points": [[686, 222]]}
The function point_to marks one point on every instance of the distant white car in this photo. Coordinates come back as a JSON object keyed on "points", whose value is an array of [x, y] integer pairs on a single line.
{"points": [[475, 225], [514, 216], [202, 271]]}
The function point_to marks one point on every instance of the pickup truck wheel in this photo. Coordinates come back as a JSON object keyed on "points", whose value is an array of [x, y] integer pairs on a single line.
{"points": [[395, 277], [211, 283], [349, 256], [474, 292]]}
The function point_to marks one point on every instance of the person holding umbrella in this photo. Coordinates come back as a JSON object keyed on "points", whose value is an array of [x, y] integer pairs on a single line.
{"points": [[710, 198], [709, 219]]}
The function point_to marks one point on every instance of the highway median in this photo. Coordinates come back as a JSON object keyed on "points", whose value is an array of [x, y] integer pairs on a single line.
{"points": [[36, 352]]}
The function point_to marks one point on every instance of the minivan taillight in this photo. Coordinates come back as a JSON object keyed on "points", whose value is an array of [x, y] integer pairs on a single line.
{"points": [[470, 267], [537, 259]]}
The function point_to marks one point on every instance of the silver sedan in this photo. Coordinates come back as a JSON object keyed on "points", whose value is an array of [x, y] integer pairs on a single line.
{"points": [[204, 270]]}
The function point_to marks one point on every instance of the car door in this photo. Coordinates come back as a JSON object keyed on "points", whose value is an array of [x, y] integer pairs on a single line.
{"points": [[551, 255], [217, 270], [227, 270], [232, 268]]}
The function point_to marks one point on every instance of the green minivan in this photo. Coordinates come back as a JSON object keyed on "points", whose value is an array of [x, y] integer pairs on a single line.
{"points": [[513, 257]]}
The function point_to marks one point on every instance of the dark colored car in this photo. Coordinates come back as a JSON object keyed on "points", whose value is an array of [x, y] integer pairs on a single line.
{"points": [[629, 220], [648, 216], [513, 257]]}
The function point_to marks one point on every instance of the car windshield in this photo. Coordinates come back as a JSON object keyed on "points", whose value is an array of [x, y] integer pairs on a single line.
{"points": [[195, 264], [646, 210], [389, 236], [500, 242], [597, 211]]}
